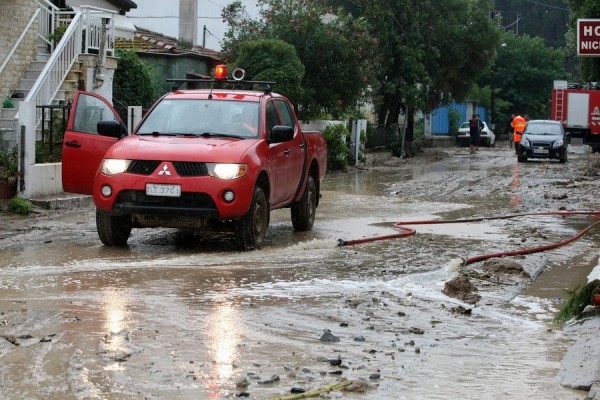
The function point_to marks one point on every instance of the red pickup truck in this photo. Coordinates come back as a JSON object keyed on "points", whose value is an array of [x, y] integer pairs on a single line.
{"points": [[202, 159]]}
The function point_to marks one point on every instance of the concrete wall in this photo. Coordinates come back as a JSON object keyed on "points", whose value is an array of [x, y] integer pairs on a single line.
{"points": [[14, 16]]}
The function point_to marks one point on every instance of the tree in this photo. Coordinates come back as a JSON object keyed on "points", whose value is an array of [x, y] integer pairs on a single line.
{"points": [[272, 60], [588, 67], [133, 82], [334, 47], [431, 52], [524, 72]]}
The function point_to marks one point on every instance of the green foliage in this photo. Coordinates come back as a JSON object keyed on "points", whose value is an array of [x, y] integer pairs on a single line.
{"points": [[335, 48], [8, 103], [454, 121], [524, 73], [8, 164], [133, 82], [431, 53], [58, 33], [19, 205], [578, 300], [337, 147], [273, 60]]}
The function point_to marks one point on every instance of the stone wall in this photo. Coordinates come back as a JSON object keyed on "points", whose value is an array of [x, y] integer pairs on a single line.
{"points": [[14, 16]]}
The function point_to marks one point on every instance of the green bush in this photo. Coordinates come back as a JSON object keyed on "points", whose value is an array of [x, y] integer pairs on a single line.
{"points": [[337, 147], [19, 205], [454, 121]]}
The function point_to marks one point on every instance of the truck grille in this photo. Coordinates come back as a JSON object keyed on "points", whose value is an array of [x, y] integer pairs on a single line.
{"points": [[190, 168], [137, 202], [142, 167], [147, 167]]}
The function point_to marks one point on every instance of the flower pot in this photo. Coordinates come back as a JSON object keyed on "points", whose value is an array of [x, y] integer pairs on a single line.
{"points": [[8, 189]]}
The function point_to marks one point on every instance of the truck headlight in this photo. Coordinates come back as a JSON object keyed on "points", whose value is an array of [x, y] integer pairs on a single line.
{"points": [[114, 166], [227, 171], [558, 143]]}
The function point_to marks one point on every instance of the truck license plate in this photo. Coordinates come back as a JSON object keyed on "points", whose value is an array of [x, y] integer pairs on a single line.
{"points": [[154, 189]]}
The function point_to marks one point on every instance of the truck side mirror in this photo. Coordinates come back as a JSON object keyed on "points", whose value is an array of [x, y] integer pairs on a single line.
{"points": [[111, 129], [280, 134]]}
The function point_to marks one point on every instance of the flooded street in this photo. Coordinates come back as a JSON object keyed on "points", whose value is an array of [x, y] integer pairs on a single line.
{"points": [[179, 315]]}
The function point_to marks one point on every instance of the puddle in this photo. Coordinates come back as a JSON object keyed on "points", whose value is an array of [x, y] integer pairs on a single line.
{"points": [[186, 316]]}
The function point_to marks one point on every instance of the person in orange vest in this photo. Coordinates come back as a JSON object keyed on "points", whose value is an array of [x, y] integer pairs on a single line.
{"points": [[518, 124]]}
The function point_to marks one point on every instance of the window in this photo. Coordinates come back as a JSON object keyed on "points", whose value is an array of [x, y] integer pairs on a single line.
{"points": [[90, 111], [285, 113], [271, 117]]}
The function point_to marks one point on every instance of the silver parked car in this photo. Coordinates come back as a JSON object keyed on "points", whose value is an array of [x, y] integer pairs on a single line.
{"points": [[487, 137]]}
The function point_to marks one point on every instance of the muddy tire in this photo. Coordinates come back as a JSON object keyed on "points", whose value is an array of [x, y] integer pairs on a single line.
{"points": [[303, 211], [563, 158], [521, 159], [250, 231], [113, 230]]}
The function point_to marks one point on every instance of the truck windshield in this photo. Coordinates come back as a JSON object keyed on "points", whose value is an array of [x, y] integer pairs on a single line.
{"points": [[204, 118]]}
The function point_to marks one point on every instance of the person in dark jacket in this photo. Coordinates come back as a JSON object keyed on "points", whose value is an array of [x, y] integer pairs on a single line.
{"points": [[475, 127]]}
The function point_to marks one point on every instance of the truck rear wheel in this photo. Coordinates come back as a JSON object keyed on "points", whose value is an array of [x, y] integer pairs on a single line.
{"points": [[113, 230], [303, 211], [250, 231]]}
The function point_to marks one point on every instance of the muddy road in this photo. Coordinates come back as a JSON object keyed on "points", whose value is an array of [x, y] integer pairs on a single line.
{"points": [[184, 316]]}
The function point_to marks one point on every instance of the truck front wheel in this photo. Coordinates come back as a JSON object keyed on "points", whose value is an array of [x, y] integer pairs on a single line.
{"points": [[303, 211], [250, 231], [113, 230]]}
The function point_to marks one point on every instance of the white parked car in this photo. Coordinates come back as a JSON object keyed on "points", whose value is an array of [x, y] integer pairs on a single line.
{"points": [[487, 137]]}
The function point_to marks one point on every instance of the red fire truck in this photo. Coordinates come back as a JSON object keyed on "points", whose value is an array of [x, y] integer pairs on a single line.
{"points": [[577, 107]]}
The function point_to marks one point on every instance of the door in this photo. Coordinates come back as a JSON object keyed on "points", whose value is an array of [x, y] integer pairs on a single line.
{"points": [[83, 148], [297, 147], [578, 107], [278, 159]]}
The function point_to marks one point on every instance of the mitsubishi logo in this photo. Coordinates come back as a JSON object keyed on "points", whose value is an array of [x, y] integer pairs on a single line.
{"points": [[165, 171]]}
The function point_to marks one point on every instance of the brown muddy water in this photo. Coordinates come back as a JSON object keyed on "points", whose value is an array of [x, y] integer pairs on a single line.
{"points": [[185, 316]]}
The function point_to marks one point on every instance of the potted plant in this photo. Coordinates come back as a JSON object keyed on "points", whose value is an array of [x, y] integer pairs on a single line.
{"points": [[8, 174]]}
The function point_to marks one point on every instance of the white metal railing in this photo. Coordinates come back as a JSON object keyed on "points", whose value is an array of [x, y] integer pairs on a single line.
{"points": [[58, 66], [96, 20], [51, 17], [96, 24], [47, 21]]}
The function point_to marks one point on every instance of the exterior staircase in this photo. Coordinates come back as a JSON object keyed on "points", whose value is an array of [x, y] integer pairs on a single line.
{"points": [[8, 120]]}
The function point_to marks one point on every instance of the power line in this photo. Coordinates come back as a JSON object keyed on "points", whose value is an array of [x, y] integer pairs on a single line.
{"points": [[548, 5]]}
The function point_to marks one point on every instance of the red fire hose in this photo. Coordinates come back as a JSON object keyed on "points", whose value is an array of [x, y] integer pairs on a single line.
{"points": [[405, 231]]}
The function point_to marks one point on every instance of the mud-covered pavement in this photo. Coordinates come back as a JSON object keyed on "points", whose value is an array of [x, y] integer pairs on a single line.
{"points": [[184, 316]]}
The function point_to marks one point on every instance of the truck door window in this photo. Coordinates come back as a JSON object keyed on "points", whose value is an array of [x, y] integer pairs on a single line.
{"points": [[90, 111], [271, 118], [285, 113]]}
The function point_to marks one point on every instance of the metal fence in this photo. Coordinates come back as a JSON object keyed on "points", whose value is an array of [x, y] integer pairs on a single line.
{"points": [[53, 125]]}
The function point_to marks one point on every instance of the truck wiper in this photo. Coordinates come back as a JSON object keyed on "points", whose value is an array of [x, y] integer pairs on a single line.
{"points": [[156, 133], [225, 135]]}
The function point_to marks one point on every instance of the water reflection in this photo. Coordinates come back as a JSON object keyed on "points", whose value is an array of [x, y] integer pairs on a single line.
{"points": [[223, 339], [115, 323], [515, 200]]}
